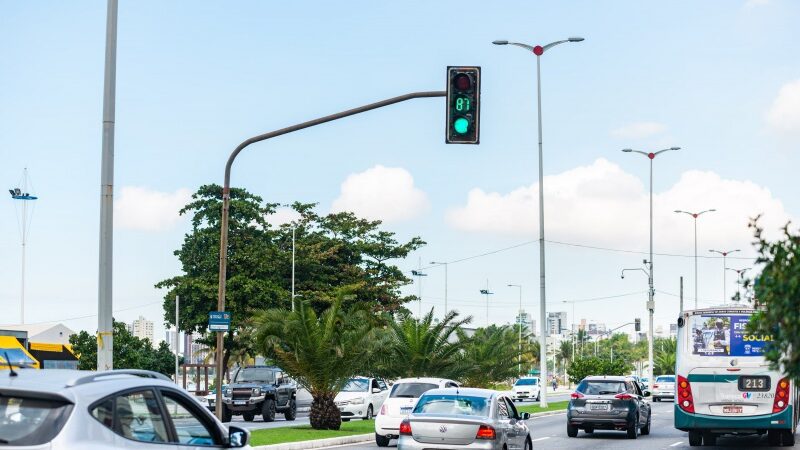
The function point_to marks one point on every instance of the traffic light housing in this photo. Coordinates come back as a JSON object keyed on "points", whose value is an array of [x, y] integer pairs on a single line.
{"points": [[463, 105], [637, 324]]}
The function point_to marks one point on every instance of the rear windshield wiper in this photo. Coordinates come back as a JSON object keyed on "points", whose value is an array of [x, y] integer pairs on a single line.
{"points": [[404, 396]]}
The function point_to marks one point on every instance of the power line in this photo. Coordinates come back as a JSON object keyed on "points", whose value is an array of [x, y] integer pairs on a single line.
{"points": [[94, 315]]}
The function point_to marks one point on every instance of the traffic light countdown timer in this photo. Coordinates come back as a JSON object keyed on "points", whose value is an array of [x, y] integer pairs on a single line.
{"points": [[463, 105]]}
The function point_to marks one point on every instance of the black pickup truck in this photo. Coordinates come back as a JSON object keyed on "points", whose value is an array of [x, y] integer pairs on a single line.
{"points": [[263, 390]]}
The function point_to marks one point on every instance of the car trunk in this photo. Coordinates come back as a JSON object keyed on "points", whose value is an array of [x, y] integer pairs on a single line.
{"points": [[448, 430], [715, 391], [601, 404], [399, 407]]}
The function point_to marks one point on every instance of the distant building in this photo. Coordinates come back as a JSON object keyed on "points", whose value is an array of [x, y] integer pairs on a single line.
{"points": [[142, 328], [169, 338], [193, 351], [556, 322], [46, 344], [51, 333], [527, 321], [673, 330]]}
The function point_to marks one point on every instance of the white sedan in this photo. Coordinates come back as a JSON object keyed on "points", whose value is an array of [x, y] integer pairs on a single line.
{"points": [[361, 398]]}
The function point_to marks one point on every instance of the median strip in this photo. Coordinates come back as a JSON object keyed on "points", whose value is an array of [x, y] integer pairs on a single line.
{"points": [[349, 433]]}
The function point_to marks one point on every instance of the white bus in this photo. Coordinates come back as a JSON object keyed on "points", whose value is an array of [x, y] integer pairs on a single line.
{"points": [[724, 384]]}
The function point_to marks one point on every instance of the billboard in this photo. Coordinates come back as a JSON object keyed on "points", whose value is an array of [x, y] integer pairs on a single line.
{"points": [[724, 334]]}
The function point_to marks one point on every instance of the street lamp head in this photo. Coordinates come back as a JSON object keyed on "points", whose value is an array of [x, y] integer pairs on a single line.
{"points": [[500, 42], [674, 148], [678, 211], [711, 210], [575, 39], [627, 150]]}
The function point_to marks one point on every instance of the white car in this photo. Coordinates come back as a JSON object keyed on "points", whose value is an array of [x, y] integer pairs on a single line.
{"points": [[402, 399], [663, 387], [361, 397], [526, 388]]}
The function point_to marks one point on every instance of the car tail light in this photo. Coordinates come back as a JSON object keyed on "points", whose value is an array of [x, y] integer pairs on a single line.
{"points": [[623, 396], [486, 432], [576, 395], [405, 428], [383, 410], [685, 399], [781, 396]]}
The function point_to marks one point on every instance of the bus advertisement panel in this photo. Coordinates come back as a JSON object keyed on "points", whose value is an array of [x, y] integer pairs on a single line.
{"points": [[725, 335]]}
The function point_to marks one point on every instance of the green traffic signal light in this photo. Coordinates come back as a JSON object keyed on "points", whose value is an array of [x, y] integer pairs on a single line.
{"points": [[461, 125]]}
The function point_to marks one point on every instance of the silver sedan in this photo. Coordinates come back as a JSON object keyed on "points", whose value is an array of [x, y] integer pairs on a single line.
{"points": [[465, 418]]}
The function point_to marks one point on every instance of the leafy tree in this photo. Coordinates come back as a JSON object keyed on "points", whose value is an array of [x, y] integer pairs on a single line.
{"points": [[331, 251], [491, 355], [581, 368], [777, 295], [130, 352], [321, 351], [664, 358]]}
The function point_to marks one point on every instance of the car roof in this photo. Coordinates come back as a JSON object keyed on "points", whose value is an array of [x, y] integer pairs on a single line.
{"points": [[607, 378], [425, 380], [470, 392]]}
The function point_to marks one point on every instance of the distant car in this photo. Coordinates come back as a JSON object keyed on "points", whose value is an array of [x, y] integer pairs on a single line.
{"points": [[526, 388], [116, 409], [664, 386], [211, 399], [608, 403], [465, 418], [260, 390], [361, 398], [402, 399], [645, 382]]}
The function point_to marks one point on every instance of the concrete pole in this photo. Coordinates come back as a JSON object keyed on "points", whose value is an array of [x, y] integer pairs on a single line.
{"points": [[293, 230], [177, 332], [105, 330], [542, 296], [22, 287]]}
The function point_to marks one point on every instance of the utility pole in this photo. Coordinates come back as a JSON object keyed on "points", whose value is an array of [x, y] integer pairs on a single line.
{"points": [[177, 332], [419, 275], [487, 294], [105, 327], [293, 228]]}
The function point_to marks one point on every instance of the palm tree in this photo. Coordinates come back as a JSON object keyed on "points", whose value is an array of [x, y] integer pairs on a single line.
{"points": [[421, 347], [491, 355], [321, 351]]}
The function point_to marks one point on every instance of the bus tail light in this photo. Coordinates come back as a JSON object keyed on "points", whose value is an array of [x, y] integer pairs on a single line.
{"points": [[781, 396], [685, 399]]}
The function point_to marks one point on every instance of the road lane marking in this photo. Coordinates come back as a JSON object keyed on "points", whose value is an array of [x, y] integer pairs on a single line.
{"points": [[676, 444], [540, 439]]}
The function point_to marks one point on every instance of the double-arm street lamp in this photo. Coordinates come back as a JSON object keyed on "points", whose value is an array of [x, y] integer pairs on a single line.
{"points": [[651, 291], [724, 270], [740, 274], [695, 216], [539, 50], [519, 327]]}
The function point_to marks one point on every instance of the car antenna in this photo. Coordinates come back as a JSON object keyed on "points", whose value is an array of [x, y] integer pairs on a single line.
{"points": [[11, 372]]}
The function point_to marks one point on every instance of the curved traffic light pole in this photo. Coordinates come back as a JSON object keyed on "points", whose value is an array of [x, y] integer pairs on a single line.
{"points": [[226, 200]]}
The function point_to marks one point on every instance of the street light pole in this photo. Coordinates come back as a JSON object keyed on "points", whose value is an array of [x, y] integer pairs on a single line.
{"points": [[293, 230], [539, 51], [419, 275], [740, 274], [519, 326], [445, 284], [651, 291], [724, 270], [695, 216], [487, 293]]}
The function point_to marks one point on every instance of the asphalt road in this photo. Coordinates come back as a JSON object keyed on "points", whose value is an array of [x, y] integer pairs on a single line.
{"points": [[551, 433]]}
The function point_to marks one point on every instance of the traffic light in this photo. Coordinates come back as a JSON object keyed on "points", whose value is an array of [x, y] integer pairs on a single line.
{"points": [[463, 105], [637, 324]]}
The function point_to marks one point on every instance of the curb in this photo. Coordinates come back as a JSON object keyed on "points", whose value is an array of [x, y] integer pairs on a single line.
{"points": [[319, 443], [549, 413]]}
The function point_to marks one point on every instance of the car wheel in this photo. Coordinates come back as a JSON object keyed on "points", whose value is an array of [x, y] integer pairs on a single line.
{"points": [[538, 397], [248, 417], [646, 427], [709, 439], [788, 438], [227, 415], [528, 443], [369, 413], [572, 430], [268, 410], [695, 438], [774, 438], [291, 413], [633, 429], [381, 441]]}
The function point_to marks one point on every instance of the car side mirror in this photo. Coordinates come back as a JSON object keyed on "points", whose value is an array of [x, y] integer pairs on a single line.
{"points": [[376, 390], [237, 437], [525, 416], [646, 393]]}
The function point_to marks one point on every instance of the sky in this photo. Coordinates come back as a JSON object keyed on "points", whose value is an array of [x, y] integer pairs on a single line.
{"points": [[720, 79]]}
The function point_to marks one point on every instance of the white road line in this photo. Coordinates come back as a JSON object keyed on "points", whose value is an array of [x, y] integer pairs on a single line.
{"points": [[676, 444], [540, 439]]}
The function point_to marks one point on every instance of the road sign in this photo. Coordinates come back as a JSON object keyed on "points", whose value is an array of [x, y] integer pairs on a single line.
{"points": [[219, 321]]}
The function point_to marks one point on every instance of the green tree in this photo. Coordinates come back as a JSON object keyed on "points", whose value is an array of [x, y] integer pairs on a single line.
{"points": [[491, 355], [332, 251], [130, 352], [321, 351], [777, 296], [664, 356], [423, 347], [581, 368]]}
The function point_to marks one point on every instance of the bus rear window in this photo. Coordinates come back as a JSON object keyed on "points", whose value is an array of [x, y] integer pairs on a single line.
{"points": [[30, 421], [724, 335]]}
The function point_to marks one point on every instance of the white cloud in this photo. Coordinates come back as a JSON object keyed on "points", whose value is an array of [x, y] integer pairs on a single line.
{"points": [[385, 193], [282, 216], [784, 114], [603, 205], [638, 130], [143, 209]]}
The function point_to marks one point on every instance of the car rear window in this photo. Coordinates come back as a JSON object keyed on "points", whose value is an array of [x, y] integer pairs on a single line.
{"points": [[452, 405], [411, 390], [30, 421], [665, 379], [601, 387]]}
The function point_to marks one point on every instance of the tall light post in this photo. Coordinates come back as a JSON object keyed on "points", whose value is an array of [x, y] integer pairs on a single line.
{"points": [[293, 253], [419, 275], [651, 305], [740, 274], [539, 51], [695, 216], [21, 195], [519, 327], [724, 270], [445, 283], [574, 337], [487, 293]]}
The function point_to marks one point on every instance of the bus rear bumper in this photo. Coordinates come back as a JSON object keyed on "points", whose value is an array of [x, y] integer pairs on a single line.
{"points": [[685, 421]]}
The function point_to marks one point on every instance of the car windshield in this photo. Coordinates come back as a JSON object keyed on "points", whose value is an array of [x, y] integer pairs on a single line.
{"points": [[526, 382], [356, 385], [452, 404], [665, 379], [601, 387], [254, 375], [411, 390], [27, 421]]}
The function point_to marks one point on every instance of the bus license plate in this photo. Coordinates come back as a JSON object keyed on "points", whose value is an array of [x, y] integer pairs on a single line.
{"points": [[732, 409], [600, 407], [754, 383]]}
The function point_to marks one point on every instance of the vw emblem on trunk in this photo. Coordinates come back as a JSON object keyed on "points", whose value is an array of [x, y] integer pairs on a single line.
{"points": [[442, 429]]}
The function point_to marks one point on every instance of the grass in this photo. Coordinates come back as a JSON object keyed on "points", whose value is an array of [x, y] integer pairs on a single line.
{"points": [[554, 406], [306, 433]]}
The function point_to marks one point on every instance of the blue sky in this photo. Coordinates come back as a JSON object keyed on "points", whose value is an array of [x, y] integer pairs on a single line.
{"points": [[718, 78]]}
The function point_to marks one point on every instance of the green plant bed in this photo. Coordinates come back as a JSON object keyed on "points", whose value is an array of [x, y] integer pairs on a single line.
{"points": [[306, 433], [554, 406]]}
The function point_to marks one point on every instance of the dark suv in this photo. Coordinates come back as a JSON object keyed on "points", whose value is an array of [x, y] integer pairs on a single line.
{"points": [[608, 403], [260, 390]]}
